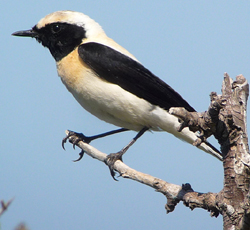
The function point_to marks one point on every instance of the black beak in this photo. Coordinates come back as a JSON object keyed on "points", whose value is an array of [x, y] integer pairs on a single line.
{"points": [[26, 33]]}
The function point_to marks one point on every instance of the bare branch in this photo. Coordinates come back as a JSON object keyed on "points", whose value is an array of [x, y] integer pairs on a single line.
{"points": [[5, 205], [21, 226], [174, 193], [226, 120], [207, 123]]}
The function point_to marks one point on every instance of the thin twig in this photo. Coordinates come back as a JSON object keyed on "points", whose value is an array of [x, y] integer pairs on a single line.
{"points": [[5, 205]]}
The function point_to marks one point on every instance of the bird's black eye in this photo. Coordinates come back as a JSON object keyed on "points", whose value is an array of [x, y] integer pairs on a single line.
{"points": [[56, 28]]}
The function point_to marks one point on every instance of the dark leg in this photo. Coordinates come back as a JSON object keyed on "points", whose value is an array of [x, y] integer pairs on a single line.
{"points": [[81, 137], [113, 157]]}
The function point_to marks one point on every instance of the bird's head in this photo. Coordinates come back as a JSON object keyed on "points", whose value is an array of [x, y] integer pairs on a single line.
{"points": [[62, 31]]}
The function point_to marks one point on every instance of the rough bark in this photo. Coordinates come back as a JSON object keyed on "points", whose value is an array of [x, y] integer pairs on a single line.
{"points": [[234, 198], [226, 120]]}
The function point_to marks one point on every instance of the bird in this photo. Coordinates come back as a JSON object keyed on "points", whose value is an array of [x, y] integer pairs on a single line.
{"points": [[109, 82]]}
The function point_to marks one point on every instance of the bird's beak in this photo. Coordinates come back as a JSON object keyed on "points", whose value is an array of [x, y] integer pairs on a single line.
{"points": [[26, 33]]}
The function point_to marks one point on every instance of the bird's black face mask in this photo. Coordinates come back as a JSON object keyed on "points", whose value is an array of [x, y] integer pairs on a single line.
{"points": [[60, 38]]}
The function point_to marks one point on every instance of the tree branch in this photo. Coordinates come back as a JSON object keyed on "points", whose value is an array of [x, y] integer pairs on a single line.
{"points": [[174, 193], [5, 205], [226, 120], [207, 123]]}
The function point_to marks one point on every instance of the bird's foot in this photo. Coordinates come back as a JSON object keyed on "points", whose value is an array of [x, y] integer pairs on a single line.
{"points": [[74, 138], [110, 161]]}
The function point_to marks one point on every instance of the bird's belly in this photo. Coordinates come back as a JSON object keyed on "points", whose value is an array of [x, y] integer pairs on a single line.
{"points": [[111, 103]]}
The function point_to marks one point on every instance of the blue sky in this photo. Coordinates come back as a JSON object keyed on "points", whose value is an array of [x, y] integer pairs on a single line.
{"points": [[189, 44]]}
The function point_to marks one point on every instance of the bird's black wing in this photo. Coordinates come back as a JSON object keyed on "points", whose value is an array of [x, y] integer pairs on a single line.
{"points": [[129, 74]]}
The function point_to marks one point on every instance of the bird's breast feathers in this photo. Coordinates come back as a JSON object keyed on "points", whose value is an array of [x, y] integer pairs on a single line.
{"points": [[107, 101]]}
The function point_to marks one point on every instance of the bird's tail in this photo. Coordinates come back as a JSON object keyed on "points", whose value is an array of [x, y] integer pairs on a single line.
{"points": [[207, 147], [191, 137], [169, 123]]}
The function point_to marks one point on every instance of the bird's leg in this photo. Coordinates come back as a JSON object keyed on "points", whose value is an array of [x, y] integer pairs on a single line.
{"points": [[81, 137], [113, 157]]}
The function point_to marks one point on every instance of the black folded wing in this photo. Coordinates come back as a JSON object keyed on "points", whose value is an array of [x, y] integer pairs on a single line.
{"points": [[129, 74]]}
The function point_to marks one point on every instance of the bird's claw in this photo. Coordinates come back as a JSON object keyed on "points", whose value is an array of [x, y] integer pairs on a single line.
{"points": [[110, 161], [80, 156], [74, 138]]}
